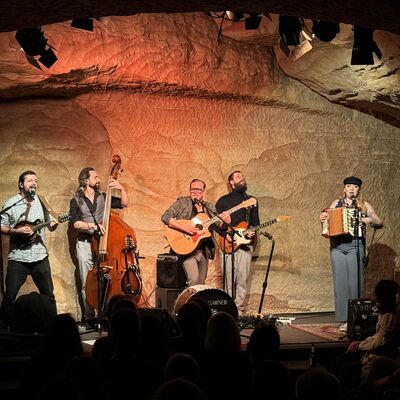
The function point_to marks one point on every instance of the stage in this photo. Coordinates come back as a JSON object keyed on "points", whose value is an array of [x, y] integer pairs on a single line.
{"points": [[298, 333]]}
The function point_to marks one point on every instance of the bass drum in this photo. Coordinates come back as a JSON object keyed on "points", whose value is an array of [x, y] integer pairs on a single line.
{"points": [[217, 299]]}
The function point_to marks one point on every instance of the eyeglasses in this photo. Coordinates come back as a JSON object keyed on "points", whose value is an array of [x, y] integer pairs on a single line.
{"points": [[196, 190]]}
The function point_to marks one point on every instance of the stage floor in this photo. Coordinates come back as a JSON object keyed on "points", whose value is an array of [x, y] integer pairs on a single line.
{"points": [[291, 337]]}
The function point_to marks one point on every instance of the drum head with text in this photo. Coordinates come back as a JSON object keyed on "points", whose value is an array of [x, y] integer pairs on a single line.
{"points": [[217, 299]]}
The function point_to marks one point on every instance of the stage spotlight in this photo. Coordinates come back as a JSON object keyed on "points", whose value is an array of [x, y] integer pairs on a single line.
{"points": [[325, 30], [289, 30], [48, 58], [253, 21], [234, 16], [33, 43], [364, 46], [83, 23]]}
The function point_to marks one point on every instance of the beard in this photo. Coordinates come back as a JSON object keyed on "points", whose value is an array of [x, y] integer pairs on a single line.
{"points": [[241, 186], [96, 186]]}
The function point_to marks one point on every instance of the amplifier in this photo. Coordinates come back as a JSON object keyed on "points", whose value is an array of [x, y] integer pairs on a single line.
{"points": [[362, 316], [170, 273]]}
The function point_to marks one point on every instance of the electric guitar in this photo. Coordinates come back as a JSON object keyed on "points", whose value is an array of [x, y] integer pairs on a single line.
{"points": [[25, 240], [183, 244], [241, 230]]}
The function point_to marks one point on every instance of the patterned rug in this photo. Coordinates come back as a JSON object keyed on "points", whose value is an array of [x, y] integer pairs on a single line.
{"points": [[325, 331]]}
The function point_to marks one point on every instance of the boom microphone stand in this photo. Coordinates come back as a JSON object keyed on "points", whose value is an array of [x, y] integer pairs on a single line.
{"points": [[254, 320]]}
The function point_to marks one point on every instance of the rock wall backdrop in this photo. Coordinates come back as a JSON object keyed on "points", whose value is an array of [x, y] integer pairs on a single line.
{"points": [[175, 103]]}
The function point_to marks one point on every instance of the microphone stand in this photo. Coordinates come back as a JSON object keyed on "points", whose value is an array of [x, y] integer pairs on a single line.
{"points": [[233, 286], [356, 223], [254, 320], [218, 230]]}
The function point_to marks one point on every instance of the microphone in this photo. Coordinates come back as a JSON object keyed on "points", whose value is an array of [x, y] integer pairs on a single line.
{"points": [[267, 235], [197, 201], [31, 191]]}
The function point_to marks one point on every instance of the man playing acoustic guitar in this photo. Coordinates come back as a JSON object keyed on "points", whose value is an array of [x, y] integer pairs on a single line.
{"points": [[242, 254], [179, 217], [27, 254]]}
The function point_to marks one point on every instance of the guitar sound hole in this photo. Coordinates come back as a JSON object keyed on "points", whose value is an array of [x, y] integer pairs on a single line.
{"points": [[199, 227]]}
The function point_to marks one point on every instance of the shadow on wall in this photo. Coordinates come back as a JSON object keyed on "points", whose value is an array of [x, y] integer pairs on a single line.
{"points": [[381, 265]]}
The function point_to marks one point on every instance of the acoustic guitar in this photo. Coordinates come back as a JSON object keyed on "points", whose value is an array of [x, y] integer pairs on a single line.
{"points": [[241, 230], [183, 244], [25, 240]]}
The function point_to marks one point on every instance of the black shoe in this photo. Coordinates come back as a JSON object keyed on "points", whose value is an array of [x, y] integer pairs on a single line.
{"points": [[85, 326]]}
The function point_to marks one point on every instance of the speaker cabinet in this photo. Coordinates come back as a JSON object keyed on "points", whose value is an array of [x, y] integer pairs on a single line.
{"points": [[166, 298], [170, 273], [362, 316]]}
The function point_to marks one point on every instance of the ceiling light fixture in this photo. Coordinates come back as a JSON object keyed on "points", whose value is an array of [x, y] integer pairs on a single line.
{"points": [[289, 30], [364, 47], [33, 43], [83, 23], [325, 30]]}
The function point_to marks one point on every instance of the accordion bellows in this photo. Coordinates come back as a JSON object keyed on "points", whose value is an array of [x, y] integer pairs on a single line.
{"points": [[342, 221]]}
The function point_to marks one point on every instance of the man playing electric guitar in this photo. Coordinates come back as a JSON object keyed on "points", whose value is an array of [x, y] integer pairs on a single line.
{"points": [[243, 254], [32, 258], [186, 208]]}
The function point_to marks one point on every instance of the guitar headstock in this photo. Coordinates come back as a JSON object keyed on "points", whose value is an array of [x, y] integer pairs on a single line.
{"points": [[252, 201], [283, 218], [63, 217]]}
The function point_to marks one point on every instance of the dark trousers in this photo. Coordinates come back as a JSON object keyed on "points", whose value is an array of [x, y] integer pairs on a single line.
{"points": [[17, 272]]}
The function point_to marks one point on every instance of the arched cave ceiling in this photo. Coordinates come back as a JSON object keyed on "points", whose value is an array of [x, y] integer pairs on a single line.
{"points": [[326, 69]]}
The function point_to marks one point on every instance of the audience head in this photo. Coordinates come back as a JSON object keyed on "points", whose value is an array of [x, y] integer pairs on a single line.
{"points": [[222, 334], [118, 301], [190, 319], [179, 389], [271, 379], [63, 338], [31, 313], [204, 307], [181, 365], [153, 342], [124, 331], [385, 295], [264, 342], [317, 384]]}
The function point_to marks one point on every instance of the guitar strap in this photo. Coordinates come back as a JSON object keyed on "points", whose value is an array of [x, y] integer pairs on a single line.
{"points": [[47, 209]]}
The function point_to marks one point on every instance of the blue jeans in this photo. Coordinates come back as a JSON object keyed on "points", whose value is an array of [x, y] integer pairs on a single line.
{"points": [[348, 276]]}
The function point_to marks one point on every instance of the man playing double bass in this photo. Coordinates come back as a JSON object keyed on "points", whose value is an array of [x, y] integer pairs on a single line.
{"points": [[86, 211]]}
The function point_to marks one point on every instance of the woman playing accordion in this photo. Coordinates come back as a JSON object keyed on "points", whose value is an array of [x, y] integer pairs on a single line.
{"points": [[344, 223]]}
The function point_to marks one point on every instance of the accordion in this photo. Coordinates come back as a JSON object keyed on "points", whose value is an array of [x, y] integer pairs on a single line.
{"points": [[342, 221]]}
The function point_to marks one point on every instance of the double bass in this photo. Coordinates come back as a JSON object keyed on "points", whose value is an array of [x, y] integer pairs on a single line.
{"points": [[116, 268]]}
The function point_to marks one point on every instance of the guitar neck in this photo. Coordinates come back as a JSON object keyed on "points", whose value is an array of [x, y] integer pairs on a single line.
{"points": [[37, 227], [230, 211], [268, 223], [216, 218]]}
